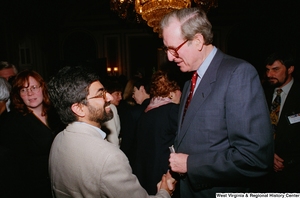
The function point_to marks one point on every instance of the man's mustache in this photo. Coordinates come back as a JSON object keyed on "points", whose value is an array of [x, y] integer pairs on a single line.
{"points": [[272, 79], [106, 104]]}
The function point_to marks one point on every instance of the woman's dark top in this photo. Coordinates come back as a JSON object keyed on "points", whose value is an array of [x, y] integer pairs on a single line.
{"points": [[25, 144], [156, 132]]}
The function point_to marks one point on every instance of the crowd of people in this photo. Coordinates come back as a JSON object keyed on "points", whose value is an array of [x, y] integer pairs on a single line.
{"points": [[225, 130]]}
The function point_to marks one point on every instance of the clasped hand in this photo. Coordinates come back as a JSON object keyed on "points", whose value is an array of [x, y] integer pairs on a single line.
{"points": [[167, 183]]}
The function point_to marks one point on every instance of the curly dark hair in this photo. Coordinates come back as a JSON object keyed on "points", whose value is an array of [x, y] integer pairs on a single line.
{"points": [[70, 86], [18, 83], [161, 85], [283, 57]]}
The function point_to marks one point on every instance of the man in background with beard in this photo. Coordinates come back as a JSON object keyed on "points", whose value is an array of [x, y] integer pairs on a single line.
{"points": [[81, 162], [286, 122]]}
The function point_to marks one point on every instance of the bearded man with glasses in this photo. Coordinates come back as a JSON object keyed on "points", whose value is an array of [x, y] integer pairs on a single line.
{"points": [[82, 163]]}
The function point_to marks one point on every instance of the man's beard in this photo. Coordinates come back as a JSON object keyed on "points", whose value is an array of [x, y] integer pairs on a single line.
{"points": [[277, 83], [100, 115], [274, 84]]}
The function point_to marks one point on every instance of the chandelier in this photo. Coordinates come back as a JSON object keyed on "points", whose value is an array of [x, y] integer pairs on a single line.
{"points": [[152, 11]]}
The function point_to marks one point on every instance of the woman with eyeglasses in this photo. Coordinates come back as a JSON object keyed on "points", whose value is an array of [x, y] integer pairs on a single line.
{"points": [[27, 135]]}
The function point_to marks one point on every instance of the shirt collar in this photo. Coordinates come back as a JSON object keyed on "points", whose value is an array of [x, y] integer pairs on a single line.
{"points": [[203, 67], [286, 88], [103, 134]]}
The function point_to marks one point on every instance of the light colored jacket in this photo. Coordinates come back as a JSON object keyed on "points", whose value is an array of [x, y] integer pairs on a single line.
{"points": [[82, 164]]}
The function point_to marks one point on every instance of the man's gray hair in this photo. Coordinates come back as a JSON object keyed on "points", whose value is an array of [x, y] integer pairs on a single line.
{"points": [[4, 89], [6, 65]]}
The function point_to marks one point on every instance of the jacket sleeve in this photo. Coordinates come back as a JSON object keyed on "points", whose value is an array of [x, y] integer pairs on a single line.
{"points": [[118, 180]]}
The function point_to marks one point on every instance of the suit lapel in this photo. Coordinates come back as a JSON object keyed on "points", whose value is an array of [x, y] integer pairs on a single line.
{"points": [[290, 104], [201, 94], [184, 96]]}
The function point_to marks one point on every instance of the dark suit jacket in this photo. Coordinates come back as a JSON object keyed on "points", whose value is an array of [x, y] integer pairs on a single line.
{"points": [[25, 144], [129, 118], [287, 140], [226, 130], [156, 132]]}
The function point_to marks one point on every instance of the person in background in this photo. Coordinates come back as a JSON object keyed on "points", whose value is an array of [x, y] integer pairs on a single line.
{"points": [[8, 71], [224, 139], [129, 118], [156, 130], [112, 127], [280, 67], [27, 134], [4, 94], [81, 162], [115, 89], [125, 106], [128, 90], [141, 91]]}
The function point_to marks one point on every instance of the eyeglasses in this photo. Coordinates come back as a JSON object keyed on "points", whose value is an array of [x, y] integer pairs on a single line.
{"points": [[174, 51], [33, 89], [101, 94]]}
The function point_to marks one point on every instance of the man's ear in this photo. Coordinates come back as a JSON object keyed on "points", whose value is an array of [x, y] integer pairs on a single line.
{"points": [[77, 108], [291, 69], [142, 88], [199, 40]]}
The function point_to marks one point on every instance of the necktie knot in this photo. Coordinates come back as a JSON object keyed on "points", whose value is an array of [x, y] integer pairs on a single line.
{"points": [[194, 78], [278, 91]]}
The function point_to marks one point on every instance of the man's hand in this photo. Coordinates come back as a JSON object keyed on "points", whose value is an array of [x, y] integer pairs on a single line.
{"points": [[178, 162], [278, 163], [168, 183]]}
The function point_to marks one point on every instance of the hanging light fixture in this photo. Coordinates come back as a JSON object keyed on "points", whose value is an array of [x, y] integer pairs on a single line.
{"points": [[152, 11], [125, 10]]}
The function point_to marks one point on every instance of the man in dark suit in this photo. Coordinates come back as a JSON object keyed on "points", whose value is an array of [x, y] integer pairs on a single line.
{"points": [[286, 175], [129, 118], [225, 139]]}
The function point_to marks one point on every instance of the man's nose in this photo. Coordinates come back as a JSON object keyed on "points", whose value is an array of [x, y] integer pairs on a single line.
{"points": [[269, 73], [108, 97], [170, 56]]}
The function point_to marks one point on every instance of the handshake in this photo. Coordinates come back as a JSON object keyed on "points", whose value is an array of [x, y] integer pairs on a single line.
{"points": [[167, 183]]}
